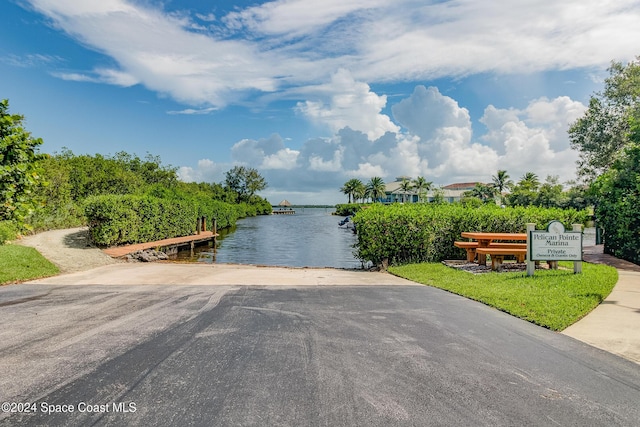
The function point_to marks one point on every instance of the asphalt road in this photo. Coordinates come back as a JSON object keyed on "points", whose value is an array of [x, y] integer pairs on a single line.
{"points": [[286, 356]]}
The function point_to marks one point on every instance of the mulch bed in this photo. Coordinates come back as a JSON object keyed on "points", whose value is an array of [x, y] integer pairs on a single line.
{"points": [[507, 267]]}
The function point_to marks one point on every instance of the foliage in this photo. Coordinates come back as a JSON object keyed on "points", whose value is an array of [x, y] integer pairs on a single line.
{"points": [[354, 189], [123, 219], [602, 133], [525, 192], [348, 209], [483, 192], [161, 214], [72, 179], [426, 232], [406, 187], [19, 169], [120, 174], [618, 202], [375, 188], [501, 181], [244, 182], [553, 299], [18, 263], [608, 137], [8, 231], [422, 187], [75, 179]]}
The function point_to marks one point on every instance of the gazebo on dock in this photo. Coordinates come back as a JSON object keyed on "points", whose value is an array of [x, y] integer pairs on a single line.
{"points": [[285, 208]]}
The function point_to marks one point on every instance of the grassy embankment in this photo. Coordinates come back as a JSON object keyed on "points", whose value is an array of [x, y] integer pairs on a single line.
{"points": [[553, 299], [19, 263]]}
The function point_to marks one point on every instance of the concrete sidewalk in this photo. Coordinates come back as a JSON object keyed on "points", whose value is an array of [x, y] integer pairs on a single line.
{"points": [[614, 325]]}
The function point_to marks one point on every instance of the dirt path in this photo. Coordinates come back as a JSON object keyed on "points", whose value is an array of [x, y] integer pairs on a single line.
{"points": [[69, 249]]}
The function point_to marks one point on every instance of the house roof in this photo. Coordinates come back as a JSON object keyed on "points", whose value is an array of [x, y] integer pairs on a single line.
{"points": [[461, 186]]}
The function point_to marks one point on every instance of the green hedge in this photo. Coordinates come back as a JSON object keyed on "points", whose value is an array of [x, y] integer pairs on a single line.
{"points": [[127, 219], [426, 232], [8, 231]]}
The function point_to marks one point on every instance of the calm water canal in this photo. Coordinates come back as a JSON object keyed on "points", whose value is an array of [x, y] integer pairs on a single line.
{"points": [[310, 238]]}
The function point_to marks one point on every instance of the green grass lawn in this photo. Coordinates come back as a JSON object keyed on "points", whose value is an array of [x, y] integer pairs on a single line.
{"points": [[19, 263], [554, 299]]}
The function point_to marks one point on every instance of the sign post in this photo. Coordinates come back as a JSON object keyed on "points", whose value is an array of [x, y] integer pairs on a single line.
{"points": [[554, 244], [531, 265], [577, 265]]}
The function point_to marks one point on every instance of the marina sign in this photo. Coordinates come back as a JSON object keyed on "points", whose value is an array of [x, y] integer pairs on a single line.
{"points": [[555, 244]]}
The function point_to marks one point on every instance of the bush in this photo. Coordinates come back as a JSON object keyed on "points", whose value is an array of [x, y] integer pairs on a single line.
{"points": [[55, 216], [426, 232], [617, 205], [348, 209], [8, 231], [128, 219], [118, 219]]}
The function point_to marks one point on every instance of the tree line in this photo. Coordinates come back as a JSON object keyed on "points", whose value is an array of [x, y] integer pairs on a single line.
{"points": [[375, 189], [47, 191], [528, 191]]}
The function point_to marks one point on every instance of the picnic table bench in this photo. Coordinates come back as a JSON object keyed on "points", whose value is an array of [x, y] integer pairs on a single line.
{"points": [[471, 247], [493, 244]]}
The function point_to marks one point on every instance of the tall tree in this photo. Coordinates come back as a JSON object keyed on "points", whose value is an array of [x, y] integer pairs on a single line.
{"points": [[351, 187], [422, 187], [484, 192], [525, 192], [19, 169], [618, 197], [603, 131], [245, 182], [551, 194], [406, 187], [360, 191], [254, 182], [376, 188], [529, 181], [501, 181]]}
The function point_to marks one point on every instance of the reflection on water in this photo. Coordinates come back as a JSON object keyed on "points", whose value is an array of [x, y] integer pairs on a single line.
{"points": [[310, 238]]}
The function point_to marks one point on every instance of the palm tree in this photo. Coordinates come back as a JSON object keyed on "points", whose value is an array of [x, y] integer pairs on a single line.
{"points": [[422, 186], [406, 186], [376, 188], [529, 181], [501, 181], [483, 192], [360, 192], [350, 188]]}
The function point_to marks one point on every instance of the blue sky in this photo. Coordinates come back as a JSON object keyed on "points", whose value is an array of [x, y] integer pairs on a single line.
{"points": [[315, 93]]}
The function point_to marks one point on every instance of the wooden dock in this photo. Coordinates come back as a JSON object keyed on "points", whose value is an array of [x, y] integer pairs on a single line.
{"points": [[191, 240], [283, 212]]}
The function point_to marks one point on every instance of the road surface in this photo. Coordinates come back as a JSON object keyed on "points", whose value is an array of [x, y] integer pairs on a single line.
{"points": [[396, 355]]}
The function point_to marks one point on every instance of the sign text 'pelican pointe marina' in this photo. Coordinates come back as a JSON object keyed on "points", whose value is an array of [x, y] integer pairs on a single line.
{"points": [[555, 244]]}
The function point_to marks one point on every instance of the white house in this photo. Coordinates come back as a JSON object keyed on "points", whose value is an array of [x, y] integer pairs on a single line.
{"points": [[450, 193]]}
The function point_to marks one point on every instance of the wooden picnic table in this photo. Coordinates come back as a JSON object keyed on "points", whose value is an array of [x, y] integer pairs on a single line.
{"points": [[484, 240]]}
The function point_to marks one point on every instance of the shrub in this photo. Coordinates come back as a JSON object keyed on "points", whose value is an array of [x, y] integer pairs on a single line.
{"points": [[127, 219], [617, 208], [348, 209], [118, 219], [8, 231], [426, 232]]}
